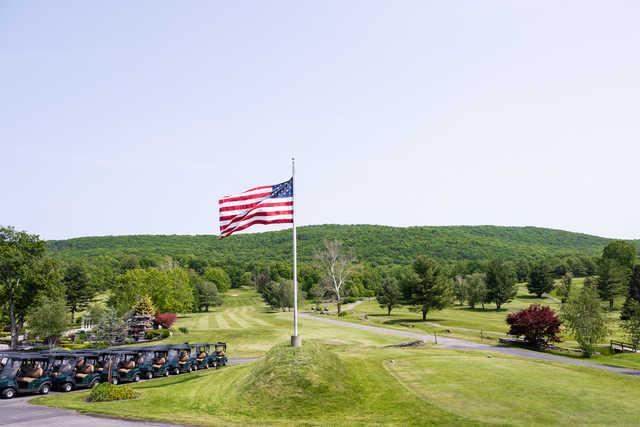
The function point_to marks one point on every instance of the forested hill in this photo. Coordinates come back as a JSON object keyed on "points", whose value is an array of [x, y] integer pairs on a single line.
{"points": [[373, 243]]}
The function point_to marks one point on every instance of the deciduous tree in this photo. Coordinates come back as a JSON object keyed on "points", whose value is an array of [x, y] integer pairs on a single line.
{"points": [[476, 289], [48, 319], [218, 277], [207, 295], [501, 283], [564, 287], [584, 318], [336, 263], [19, 252], [538, 324]]}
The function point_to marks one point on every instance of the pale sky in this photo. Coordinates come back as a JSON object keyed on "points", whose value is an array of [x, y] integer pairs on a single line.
{"points": [[134, 117]]}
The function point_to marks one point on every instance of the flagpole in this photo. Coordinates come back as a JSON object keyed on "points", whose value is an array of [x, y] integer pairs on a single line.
{"points": [[296, 340]]}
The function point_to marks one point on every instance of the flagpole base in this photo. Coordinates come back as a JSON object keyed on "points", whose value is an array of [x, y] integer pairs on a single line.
{"points": [[296, 341]]}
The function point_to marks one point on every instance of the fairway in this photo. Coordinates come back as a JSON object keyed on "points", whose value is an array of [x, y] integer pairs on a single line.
{"points": [[375, 384]]}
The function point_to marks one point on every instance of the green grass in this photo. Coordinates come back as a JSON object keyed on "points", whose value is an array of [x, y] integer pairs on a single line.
{"points": [[346, 376]]}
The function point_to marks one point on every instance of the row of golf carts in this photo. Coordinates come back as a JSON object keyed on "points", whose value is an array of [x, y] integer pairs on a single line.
{"points": [[39, 372]]}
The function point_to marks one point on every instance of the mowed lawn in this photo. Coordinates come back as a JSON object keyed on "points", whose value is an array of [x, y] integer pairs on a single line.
{"points": [[374, 384]]}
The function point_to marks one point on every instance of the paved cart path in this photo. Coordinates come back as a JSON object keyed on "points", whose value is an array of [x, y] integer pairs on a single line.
{"points": [[19, 412], [459, 344]]}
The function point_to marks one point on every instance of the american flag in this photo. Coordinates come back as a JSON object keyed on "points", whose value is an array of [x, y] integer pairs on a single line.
{"points": [[268, 204]]}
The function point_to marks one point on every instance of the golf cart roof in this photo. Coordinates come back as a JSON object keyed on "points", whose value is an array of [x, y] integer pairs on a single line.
{"points": [[180, 346], [26, 356]]}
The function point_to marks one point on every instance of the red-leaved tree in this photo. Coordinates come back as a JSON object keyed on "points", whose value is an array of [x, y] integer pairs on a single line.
{"points": [[165, 320], [538, 324]]}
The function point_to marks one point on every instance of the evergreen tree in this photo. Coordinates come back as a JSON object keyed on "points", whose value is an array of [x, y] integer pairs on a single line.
{"points": [[540, 279], [144, 306], [429, 287], [634, 293], [389, 295], [78, 287], [501, 283], [612, 280], [112, 328]]}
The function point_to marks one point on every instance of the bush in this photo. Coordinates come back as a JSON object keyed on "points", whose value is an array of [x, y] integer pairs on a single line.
{"points": [[165, 320], [107, 392], [342, 314], [349, 300], [183, 330], [157, 334], [538, 324]]}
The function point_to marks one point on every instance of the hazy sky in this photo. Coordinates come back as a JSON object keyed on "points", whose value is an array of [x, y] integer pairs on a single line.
{"points": [[134, 117]]}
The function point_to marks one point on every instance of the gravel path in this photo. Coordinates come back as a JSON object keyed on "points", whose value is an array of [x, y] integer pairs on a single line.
{"points": [[469, 345]]}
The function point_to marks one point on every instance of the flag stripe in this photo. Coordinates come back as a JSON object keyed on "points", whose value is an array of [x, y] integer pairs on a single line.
{"points": [[271, 204], [237, 220], [259, 195], [263, 207], [257, 221]]}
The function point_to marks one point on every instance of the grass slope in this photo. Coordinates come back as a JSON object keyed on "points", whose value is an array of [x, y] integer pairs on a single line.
{"points": [[372, 243], [346, 376]]}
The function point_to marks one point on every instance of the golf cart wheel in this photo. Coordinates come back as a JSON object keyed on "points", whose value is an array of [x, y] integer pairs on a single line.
{"points": [[8, 393], [149, 375], [136, 378], [166, 373], [176, 371], [67, 387], [114, 381], [195, 367], [44, 389], [206, 366], [94, 383]]}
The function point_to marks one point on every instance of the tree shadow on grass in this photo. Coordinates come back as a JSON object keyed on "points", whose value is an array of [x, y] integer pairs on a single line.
{"points": [[532, 297]]}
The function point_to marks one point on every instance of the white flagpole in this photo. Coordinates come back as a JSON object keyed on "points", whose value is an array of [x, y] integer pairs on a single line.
{"points": [[296, 340]]}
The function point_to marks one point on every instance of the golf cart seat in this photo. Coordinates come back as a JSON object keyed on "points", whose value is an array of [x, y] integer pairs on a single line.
{"points": [[158, 363], [184, 358], [127, 366], [31, 375], [88, 369]]}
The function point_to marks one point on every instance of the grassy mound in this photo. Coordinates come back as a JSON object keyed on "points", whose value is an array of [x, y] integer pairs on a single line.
{"points": [[287, 379]]}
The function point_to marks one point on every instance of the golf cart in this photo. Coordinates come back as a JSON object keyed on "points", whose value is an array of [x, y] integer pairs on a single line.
{"points": [[125, 366], [221, 354], [153, 361], [24, 373], [180, 360], [204, 358], [72, 370]]}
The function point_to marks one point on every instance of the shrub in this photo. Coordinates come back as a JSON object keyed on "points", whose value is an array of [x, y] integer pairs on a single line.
{"points": [[183, 330], [107, 392], [349, 300], [157, 334], [165, 320], [538, 324], [342, 314]]}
